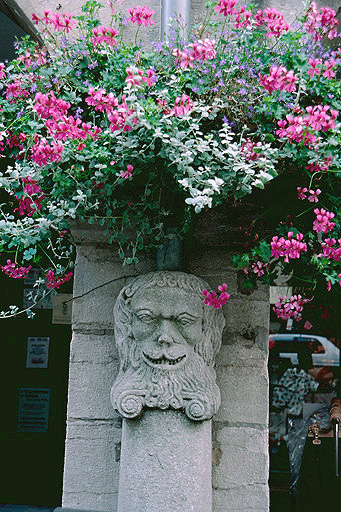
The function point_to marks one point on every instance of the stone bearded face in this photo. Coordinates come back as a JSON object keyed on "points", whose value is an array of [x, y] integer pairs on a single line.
{"points": [[167, 340]]}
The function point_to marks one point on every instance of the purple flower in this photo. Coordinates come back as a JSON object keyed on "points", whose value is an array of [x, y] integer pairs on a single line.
{"points": [[33, 88], [93, 64], [221, 83], [86, 83], [195, 89], [214, 89], [20, 113], [54, 80], [78, 113], [242, 92], [78, 73]]}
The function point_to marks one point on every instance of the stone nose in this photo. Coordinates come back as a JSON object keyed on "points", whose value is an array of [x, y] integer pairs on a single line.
{"points": [[166, 334]]}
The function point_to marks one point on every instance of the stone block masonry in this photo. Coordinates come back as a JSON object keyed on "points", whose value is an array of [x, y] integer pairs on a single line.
{"points": [[92, 456]]}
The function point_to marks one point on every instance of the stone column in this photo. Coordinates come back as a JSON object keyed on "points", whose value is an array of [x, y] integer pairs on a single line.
{"points": [[167, 342], [240, 427], [93, 434], [165, 464]]}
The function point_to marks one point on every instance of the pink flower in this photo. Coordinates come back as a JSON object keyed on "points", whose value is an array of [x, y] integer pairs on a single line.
{"points": [[28, 204], [150, 78], [141, 15], [43, 153], [301, 192], [313, 198], [104, 35], [258, 268], [134, 77], [35, 19], [182, 106], [320, 167], [2, 72], [291, 307], [323, 223], [290, 247], [329, 73], [314, 70], [329, 250], [242, 18], [215, 300], [279, 79], [226, 7], [128, 173], [274, 21], [118, 118], [14, 271], [101, 100], [54, 281], [320, 22]]}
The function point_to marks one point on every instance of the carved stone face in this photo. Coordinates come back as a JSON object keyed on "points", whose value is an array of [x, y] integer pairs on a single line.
{"points": [[166, 324], [167, 340]]}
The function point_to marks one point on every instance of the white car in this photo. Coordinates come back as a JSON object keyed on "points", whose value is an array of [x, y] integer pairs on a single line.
{"points": [[324, 352]]}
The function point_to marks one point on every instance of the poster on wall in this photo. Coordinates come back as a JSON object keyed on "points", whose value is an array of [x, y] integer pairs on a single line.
{"points": [[37, 352], [33, 411], [62, 308]]}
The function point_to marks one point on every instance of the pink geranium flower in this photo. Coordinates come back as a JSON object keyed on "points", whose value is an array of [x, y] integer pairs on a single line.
{"points": [[302, 192], [141, 15], [128, 173], [313, 198]]}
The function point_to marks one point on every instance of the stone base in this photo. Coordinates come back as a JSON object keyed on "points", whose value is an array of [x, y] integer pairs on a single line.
{"points": [[165, 464]]}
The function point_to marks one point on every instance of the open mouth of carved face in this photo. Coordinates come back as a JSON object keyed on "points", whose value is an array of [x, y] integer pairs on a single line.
{"points": [[163, 361]]}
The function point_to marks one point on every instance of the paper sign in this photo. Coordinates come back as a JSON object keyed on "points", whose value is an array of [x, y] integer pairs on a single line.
{"points": [[33, 412], [62, 308], [37, 352]]}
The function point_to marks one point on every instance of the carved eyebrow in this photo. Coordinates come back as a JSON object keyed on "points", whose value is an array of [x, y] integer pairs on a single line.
{"points": [[144, 310], [187, 315]]}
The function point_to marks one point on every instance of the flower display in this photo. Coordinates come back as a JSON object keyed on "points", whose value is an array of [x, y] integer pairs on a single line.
{"points": [[97, 128]]}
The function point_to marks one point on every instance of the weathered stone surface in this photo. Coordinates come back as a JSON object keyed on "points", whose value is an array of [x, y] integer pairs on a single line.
{"points": [[243, 457], [92, 465], [239, 354], [89, 390], [244, 395], [248, 498], [94, 349], [98, 502], [165, 464], [167, 342]]}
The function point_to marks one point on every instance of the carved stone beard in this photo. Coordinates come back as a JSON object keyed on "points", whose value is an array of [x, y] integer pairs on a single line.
{"points": [[191, 388]]}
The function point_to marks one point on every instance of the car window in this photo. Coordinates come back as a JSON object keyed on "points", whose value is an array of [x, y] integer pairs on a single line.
{"points": [[316, 347]]}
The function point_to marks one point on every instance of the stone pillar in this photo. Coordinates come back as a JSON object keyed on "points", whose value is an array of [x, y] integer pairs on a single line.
{"points": [[166, 391], [240, 427], [165, 464], [93, 436]]}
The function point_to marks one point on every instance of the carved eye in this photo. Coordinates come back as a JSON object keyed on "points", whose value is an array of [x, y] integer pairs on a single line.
{"points": [[185, 320], [145, 318]]}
